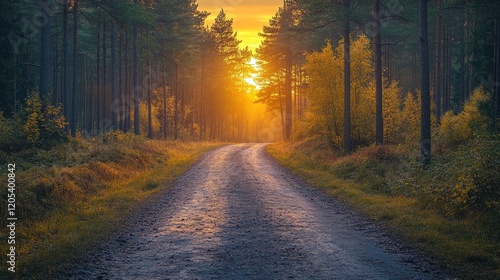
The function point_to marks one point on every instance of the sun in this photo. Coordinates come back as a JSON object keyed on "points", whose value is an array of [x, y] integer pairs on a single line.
{"points": [[250, 80]]}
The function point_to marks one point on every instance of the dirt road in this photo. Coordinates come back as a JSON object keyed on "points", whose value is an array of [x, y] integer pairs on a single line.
{"points": [[237, 214]]}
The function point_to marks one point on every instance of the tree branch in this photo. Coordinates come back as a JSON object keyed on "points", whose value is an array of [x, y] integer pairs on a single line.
{"points": [[398, 41]]}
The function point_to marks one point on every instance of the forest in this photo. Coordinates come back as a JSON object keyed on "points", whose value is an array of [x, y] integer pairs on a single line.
{"points": [[412, 85], [100, 66], [155, 68]]}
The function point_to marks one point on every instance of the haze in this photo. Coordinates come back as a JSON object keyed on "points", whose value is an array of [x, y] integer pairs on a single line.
{"points": [[249, 16]]}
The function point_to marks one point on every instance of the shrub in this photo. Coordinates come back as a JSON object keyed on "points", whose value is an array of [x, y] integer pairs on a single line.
{"points": [[12, 137], [457, 129], [411, 120], [39, 125], [479, 186], [463, 181]]}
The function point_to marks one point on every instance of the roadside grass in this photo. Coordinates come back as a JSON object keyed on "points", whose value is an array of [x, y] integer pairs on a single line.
{"points": [[379, 182], [75, 195]]}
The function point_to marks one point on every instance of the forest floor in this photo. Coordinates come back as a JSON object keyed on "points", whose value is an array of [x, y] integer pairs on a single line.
{"points": [[389, 187], [116, 208], [68, 198], [238, 214]]}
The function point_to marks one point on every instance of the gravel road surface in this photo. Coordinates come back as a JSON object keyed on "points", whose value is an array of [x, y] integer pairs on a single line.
{"points": [[238, 214]]}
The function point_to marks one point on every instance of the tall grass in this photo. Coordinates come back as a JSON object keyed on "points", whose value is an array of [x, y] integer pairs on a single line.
{"points": [[72, 195], [428, 207]]}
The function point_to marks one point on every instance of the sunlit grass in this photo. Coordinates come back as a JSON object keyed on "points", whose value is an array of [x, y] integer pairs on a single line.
{"points": [[466, 246], [118, 184]]}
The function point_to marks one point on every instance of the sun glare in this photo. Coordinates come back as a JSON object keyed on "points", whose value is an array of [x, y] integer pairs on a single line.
{"points": [[250, 80]]}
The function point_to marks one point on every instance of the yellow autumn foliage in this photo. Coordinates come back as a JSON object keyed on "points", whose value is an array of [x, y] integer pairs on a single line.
{"points": [[325, 70], [411, 117], [457, 129]]}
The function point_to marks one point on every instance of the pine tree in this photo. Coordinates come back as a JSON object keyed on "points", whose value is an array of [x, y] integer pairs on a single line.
{"points": [[425, 136]]}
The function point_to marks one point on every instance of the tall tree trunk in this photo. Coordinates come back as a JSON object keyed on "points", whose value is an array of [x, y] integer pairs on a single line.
{"points": [[75, 68], [378, 74], [105, 93], [437, 74], [121, 93], [65, 77], [176, 101], [347, 79], [45, 48], [462, 55], [164, 86], [446, 91], [88, 97], [150, 118], [137, 120], [425, 86], [202, 102], [55, 73], [471, 26], [127, 97], [288, 95], [282, 115], [98, 84], [496, 82], [114, 100]]}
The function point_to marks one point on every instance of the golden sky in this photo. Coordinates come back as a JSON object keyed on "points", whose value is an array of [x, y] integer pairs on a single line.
{"points": [[249, 16]]}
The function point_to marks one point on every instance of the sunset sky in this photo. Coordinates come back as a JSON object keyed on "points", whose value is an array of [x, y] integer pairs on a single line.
{"points": [[249, 16]]}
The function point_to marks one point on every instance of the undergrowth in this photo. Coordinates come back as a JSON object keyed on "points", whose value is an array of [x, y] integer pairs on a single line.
{"points": [[449, 209], [71, 195]]}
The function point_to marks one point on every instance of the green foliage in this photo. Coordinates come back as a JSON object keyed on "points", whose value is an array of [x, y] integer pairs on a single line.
{"points": [[39, 125], [451, 208], [463, 181], [6, 132], [375, 168]]}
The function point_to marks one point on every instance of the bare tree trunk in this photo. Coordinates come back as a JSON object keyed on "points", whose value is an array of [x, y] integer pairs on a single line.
{"points": [[137, 120], [98, 84], [378, 75], [45, 49], [121, 88], [202, 102], [114, 116], [446, 91], [55, 73], [164, 86], [437, 74], [176, 101], [347, 79], [288, 95], [282, 115], [127, 97], [88, 96], [75, 68], [105, 93], [425, 87], [65, 78], [462, 55], [150, 118], [496, 82]]}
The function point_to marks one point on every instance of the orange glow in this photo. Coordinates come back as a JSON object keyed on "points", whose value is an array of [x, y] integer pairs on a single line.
{"points": [[250, 80], [249, 16]]}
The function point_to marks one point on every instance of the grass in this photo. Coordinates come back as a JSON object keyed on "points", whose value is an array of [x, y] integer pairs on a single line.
{"points": [[76, 194], [377, 181]]}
